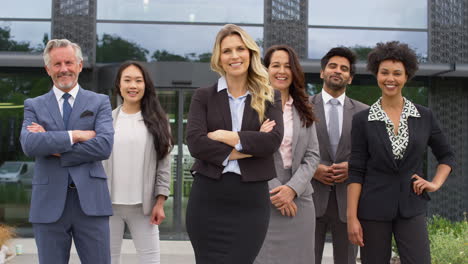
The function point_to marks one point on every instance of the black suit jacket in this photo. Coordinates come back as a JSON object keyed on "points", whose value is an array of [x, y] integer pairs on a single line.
{"points": [[209, 111], [386, 183]]}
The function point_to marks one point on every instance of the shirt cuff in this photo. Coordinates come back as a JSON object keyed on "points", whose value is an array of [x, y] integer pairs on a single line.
{"points": [[71, 137], [238, 146], [225, 162]]}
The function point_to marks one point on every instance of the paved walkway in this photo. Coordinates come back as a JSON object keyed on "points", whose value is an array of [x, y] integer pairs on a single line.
{"points": [[172, 252]]}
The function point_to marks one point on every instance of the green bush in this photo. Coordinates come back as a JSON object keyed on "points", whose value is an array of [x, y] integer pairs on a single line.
{"points": [[449, 241]]}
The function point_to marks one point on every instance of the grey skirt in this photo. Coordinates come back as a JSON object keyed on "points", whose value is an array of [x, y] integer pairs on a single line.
{"points": [[290, 240]]}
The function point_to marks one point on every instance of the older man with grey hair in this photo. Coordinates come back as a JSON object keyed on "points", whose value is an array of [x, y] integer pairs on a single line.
{"points": [[68, 131]]}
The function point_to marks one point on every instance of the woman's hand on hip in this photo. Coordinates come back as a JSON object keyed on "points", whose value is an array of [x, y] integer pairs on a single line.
{"points": [[355, 232], [420, 185]]}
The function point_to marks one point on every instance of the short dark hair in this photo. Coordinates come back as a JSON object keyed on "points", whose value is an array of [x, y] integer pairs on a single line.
{"points": [[342, 52], [393, 50]]}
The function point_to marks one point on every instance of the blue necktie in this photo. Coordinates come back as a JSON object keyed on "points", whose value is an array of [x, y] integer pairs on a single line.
{"points": [[66, 117], [67, 109]]}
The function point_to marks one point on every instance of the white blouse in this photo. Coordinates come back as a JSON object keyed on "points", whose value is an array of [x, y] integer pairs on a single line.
{"points": [[129, 143]]}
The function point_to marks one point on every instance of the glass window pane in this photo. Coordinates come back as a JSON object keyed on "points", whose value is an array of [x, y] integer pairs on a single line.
{"points": [[322, 40], [365, 13], [141, 41], [26, 9], [23, 36], [223, 11]]}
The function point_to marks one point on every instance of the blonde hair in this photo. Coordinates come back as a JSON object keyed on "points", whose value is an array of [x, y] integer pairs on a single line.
{"points": [[6, 233], [61, 43], [257, 76]]}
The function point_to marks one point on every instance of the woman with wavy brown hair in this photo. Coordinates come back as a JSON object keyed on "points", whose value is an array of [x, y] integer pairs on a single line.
{"points": [[291, 232], [228, 209]]}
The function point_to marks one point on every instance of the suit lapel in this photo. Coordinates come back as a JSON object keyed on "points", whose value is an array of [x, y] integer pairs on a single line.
{"points": [[322, 130], [81, 101], [222, 100], [54, 110], [296, 129], [249, 114], [412, 127], [348, 112], [383, 135]]}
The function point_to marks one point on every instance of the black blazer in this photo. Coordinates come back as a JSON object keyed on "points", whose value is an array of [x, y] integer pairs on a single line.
{"points": [[209, 111], [386, 183]]}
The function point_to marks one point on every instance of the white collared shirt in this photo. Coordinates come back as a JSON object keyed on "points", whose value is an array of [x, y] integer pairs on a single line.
{"points": [[327, 105], [58, 95]]}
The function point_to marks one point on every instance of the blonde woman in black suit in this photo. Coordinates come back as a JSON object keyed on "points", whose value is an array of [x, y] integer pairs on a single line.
{"points": [[387, 191], [228, 209]]}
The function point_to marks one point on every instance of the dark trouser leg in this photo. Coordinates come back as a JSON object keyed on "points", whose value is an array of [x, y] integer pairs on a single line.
{"points": [[412, 240], [321, 226], [343, 251], [377, 242]]}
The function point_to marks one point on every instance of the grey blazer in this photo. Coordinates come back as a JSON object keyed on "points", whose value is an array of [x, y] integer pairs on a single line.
{"points": [[305, 158], [156, 175], [343, 152]]}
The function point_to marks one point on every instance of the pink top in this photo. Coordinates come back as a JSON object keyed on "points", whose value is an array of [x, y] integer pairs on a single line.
{"points": [[286, 145]]}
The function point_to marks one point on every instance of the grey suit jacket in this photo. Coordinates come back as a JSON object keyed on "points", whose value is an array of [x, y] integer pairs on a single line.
{"points": [[82, 161], [343, 152], [156, 174], [305, 159]]}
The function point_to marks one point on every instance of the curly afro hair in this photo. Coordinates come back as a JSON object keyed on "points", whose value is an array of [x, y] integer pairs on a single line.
{"points": [[393, 50]]}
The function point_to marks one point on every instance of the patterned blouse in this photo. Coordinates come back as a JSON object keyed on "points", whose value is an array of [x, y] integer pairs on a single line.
{"points": [[400, 140]]}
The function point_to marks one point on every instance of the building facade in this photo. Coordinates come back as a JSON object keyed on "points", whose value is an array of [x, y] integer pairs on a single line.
{"points": [[175, 38]]}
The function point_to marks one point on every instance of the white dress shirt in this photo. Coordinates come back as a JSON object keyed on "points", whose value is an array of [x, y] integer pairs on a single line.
{"points": [[327, 105], [58, 95]]}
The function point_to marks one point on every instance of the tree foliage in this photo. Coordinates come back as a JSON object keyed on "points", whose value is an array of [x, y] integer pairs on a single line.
{"points": [[8, 44], [112, 48]]}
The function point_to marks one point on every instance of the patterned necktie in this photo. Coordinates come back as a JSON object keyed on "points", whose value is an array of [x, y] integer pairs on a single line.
{"points": [[334, 125], [67, 109]]}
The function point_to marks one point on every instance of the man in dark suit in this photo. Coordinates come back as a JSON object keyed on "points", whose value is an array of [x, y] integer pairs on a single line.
{"points": [[334, 111], [68, 131]]}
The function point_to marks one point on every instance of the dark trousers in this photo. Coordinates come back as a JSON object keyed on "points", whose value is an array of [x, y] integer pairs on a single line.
{"points": [[410, 235], [227, 219], [89, 233], [343, 251]]}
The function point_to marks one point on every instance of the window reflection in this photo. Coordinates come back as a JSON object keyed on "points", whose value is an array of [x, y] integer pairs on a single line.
{"points": [[26, 9], [365, 13], [240, 11], [159, 42], [23, 36], [322, 40]]}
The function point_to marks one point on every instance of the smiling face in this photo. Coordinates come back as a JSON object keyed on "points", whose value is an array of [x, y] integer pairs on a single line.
{"points": [[279, 70], [132, 85], [64, 68], [336, 75], [235, 56], [391, 78]]}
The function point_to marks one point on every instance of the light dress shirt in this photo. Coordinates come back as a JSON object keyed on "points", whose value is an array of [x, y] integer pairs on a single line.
{"points": [[327, 106], [236, 105], [58, 95], [129, 143], [286, 144]]}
